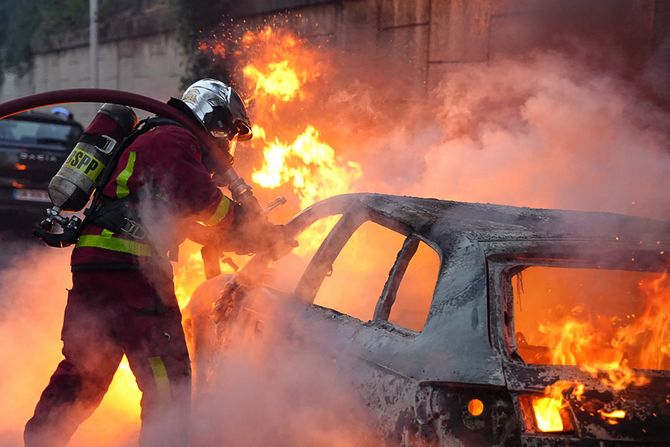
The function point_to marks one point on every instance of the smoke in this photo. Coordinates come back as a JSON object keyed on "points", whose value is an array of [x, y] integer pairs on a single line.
{"points": [[34, 291], [544, 131], [28, 336], [281, 381]]}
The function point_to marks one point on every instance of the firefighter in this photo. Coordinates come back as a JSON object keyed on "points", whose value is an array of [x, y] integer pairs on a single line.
{"points": [[123, 300]]}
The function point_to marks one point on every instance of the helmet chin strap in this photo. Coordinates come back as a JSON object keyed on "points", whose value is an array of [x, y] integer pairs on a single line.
{"points": [[233, 144]]}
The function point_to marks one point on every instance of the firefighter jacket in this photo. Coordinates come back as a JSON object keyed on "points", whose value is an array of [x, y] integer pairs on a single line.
{"points": [[163, 174]]}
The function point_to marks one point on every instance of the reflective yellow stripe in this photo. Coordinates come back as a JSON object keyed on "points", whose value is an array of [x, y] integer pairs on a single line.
{"points": [[106, 242], [123, 177], [161, 379], [221, 211]]}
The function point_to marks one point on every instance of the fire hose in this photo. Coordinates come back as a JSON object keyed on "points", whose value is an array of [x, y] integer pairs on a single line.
{"points": [[225, 173]]}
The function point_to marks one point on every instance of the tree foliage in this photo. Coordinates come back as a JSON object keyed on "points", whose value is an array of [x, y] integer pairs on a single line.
{"points": [[24, 22], [19, 21], [27, 22], [195, 20]]}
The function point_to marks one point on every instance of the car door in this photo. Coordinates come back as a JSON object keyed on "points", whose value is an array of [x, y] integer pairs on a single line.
{"points": [[371, 283]]}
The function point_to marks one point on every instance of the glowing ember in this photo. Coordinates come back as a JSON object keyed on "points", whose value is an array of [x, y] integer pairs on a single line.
{"points": [[612, 417], [214, 48]]}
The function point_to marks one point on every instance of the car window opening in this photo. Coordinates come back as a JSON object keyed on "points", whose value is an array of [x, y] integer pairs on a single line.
{"points": [[285, 272], [592, 318], [415, 294], [361, 270]]}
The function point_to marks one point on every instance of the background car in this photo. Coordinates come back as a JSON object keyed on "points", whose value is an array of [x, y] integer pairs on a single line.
{"points": [[33, 146]]}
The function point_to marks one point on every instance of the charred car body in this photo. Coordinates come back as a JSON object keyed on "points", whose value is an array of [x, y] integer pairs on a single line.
{"points": [[468, 368]]}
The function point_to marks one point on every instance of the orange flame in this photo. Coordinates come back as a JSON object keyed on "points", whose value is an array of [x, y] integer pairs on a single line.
{"points": [[613, 349], [309, 164], [313, 170], [550, 409], [214, 48], [280, 69], [612, 417], [574, 344], [279, 80], [280, 64]]}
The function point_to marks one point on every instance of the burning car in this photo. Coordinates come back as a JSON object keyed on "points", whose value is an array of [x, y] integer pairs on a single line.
{"points": [[473, 324]]}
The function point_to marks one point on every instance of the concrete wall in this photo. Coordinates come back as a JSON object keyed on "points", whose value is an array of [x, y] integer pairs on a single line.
{"points": [[415, 43], [149, 61]]}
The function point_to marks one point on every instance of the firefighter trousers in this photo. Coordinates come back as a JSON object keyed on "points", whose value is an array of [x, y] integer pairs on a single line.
{"points": [[109, 314]]}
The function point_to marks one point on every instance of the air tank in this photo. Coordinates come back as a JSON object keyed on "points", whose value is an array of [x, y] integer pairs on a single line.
{"points": [[71, 187]]}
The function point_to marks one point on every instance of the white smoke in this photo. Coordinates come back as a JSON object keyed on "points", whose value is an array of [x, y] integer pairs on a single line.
{"points": [[543, 131], [281, 385], [34, 294]]}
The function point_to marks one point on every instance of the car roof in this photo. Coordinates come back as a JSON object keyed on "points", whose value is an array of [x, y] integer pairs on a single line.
{"points": [[43, 117], [500, 222]]}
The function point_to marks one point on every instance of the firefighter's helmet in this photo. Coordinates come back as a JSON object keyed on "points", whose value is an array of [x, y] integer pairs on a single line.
{"points": [[218, 107]]}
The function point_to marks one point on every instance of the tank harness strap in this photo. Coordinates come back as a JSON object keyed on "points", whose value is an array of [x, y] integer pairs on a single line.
{"points": [[119, 216]]}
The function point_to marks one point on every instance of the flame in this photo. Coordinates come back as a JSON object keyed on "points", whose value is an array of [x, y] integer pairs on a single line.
{"points": [[651, 325], [123, 392], [309, 165], [612, 417], [280, 64], [280, 69], [548, 413], [614, 349], [312, 169], [574, 343], [215, 48], [550, 409], [278, 80], [189, 271], [277, 67]]}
